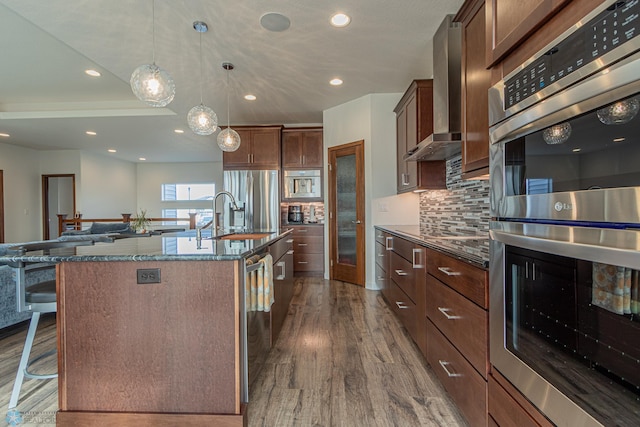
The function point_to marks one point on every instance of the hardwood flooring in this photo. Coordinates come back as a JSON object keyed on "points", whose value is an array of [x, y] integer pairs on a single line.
{"points": [[342, 359]]}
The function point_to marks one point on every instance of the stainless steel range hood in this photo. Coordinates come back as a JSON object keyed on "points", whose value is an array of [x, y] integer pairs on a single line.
{"points": [[447, 98]]}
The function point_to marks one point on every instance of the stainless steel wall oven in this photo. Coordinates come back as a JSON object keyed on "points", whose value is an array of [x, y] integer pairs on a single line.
{"points": [[565, 239]]}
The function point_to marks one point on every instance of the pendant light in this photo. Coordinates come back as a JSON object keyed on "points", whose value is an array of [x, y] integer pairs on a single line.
{"points": [[202, 119], [150, 83], [228, 139]]}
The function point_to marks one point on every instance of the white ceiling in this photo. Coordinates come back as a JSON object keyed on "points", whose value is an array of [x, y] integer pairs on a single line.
{"points": [[47, 102]]}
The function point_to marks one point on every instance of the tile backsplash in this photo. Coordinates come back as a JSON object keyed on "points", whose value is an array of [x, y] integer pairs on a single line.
{"points": [[463, 208], [306, 211]]}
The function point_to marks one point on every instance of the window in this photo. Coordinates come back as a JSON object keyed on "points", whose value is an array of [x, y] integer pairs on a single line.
{"points": [[186, 199]]}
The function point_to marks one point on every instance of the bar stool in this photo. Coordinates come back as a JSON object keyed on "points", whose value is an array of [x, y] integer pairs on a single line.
{"points": [[38, 298]]}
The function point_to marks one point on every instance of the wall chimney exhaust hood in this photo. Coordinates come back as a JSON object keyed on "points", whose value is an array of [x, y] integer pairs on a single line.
{"points": [[447, 97]]}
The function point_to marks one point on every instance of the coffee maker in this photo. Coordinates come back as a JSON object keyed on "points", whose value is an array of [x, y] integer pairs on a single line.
{"points": [[295, 214]]}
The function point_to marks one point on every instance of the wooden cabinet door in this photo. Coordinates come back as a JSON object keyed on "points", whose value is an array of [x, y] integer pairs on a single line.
{"points": [[475, 85], [411, 141], [291, 149], [312, 148], [510, 21], [265, 145], [241, 158], [401, 147], [302, 149]]}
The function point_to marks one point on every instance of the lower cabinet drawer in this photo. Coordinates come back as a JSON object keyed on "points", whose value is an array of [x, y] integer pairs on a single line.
{"points": [[381, 277], [382, 255], [308, 244], [510, 408], [403, 273], [464, 323], [467, 388], [470, 281], [402, 305], [308, 262]]}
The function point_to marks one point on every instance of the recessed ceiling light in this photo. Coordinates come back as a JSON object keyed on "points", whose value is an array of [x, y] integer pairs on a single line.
{"points": [[142, 158], [275, 22], [619, 139], [178, 131], [250, 97], [111, 150], [340, 20], [5, 135], [90, 132], [577, 150], [92, 73], [335, 82]]}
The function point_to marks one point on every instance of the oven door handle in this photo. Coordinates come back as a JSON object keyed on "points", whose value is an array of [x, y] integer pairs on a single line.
{"points": [[608, 246]]}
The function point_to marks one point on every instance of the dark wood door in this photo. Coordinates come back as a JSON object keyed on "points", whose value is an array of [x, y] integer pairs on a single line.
{"points": [[241, 157], [401, 147], [511, 21], [476, 83], [347, 215], [265, 149]]}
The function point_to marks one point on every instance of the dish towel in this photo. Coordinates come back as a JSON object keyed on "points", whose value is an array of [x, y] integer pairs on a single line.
{"points": [[259, 284], [612, 288]]}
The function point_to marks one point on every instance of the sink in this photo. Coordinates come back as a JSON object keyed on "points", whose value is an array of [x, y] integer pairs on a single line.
{"points": [[244, 236]]}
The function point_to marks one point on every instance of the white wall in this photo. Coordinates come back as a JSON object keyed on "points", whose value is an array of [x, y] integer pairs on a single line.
{"points": [[107, 187], [151, 176], [369, 118]]}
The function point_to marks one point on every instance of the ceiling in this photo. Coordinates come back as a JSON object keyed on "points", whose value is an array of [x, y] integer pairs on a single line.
{"points": [[47, 102]]}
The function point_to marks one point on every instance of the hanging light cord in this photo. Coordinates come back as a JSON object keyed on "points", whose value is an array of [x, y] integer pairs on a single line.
{"points": [[227, 98], [200, 32], [153, 30]]}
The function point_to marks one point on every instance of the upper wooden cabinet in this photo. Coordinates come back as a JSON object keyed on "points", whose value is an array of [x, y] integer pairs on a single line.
{"points": [[302, 148], [414, 122], [510, 21], [259, 149], [476, 80]]}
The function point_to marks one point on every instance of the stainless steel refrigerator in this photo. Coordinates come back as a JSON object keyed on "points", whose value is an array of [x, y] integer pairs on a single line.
{"points": [[257, 195]]}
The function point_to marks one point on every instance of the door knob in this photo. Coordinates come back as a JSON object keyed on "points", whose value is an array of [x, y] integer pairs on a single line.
{"points": [[356, 222]]}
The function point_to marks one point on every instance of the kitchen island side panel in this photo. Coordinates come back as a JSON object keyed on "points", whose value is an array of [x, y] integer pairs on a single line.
{"points": [[168, 347]]}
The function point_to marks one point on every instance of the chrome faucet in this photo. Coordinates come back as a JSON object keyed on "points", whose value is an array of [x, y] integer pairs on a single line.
{"points": [[215, 225]]}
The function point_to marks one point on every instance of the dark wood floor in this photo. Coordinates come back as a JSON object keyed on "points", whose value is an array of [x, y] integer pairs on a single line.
{"points": [[342, 359]]}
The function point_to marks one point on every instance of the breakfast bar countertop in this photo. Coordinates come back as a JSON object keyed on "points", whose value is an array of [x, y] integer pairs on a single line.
{"points": [[175, 246], [473, 249]]}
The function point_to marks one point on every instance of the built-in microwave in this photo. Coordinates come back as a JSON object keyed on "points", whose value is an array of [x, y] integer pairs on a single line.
{"points": [[302, 184]]}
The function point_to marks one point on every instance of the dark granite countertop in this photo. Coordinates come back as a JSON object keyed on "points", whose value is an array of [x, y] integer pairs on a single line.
{"points": [[177, 246], [473, 249]]}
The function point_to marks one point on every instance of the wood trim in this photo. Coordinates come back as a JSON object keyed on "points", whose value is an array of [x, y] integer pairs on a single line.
{"points": [[1, 207], [338, 271], [102, 419]]}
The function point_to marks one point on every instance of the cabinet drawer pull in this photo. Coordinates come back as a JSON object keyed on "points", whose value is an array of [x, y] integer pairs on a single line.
{"points": [[381, 255], [303, 262], [444, 364], [448, 272], [388, 243], [302, 230], [401, 305], [400, 273], [447, 315], [417, 264], [290, 252], [283, 267], [303, 244], [379, 236], [289, 241], [382, 279]]}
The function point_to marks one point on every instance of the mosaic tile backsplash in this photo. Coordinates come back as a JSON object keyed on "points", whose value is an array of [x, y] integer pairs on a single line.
{"points": [[463, 208]]}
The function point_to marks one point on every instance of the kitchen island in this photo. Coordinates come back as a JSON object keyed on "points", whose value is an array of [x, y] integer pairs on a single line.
{"points": [[152, 330]]}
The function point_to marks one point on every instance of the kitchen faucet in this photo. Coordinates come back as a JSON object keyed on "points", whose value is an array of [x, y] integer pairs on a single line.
{"points": [[215, 225]]}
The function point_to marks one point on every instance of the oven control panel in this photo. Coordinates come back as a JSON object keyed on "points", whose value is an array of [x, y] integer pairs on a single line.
{"points": [[612, 28]]}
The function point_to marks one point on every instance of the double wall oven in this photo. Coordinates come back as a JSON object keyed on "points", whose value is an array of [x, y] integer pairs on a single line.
{"points": [[565, 234]]}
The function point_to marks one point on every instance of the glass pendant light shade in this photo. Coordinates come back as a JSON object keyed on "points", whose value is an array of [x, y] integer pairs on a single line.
{"points": [[202, 120], [620, 112], [557, 134], [228, 140], [152, 85]]}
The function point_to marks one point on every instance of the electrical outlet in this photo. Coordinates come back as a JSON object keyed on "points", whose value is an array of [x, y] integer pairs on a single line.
{"points": [[148, 275]]}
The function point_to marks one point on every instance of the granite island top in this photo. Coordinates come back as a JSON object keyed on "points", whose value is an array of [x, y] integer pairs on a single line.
{"points": [[174, 246], [470, 248]]}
